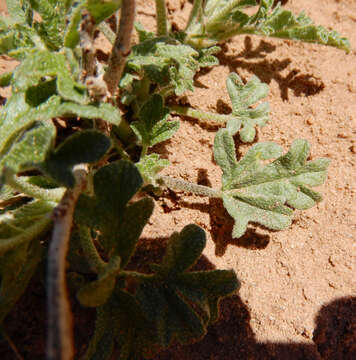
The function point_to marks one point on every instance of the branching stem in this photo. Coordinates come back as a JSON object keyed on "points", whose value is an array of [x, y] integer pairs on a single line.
{"points": [[122, 46], [189, 187], [60, 336]]}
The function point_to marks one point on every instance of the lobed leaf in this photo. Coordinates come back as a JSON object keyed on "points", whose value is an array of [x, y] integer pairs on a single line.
{"points": [[153, 126], [166, 297], [119, 224], [264, 194]]}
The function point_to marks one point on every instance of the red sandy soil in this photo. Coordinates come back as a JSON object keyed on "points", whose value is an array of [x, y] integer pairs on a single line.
{"points": [[297, 297]]}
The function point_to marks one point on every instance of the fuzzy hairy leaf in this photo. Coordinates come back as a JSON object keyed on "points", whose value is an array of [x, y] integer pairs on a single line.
{"points": [[102, 9], [30, 147], [51, 28], [223, 19], [120, 225], [87, 146], [242, 97], [153, 126], [256, 193], [164, 296], [44, 64], [149, 166], [97, 292], [121, 320], [20, 130], [168, 63], [71, 35], [16, 270]]}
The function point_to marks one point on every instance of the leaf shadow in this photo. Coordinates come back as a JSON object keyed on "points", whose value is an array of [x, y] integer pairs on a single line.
{"points": [[268, 70]]}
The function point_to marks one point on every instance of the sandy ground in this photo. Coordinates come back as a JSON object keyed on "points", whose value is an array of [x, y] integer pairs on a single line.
{"points": [[297, 298]]}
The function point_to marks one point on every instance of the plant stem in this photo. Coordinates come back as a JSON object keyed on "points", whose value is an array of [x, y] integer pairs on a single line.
{"points": [[86, 44], [122, 46], [90, 252], [60, 333], [29, 234], [200, 115], [189, 187], [32, 190], [194, 14], [161, 18]]}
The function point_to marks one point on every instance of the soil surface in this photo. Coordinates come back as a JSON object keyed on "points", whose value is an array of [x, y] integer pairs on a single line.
{"points": [[297, 297]]}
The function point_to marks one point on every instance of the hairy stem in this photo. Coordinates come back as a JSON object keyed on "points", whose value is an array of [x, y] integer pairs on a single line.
{"points": [[161, 18], [122, 46], [200, 115], [60, 335], [90, 252], [189, 187], [194, 13], [32, 190], [86, 44]]}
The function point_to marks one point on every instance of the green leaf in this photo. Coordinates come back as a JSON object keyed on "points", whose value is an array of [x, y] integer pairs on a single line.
{"points": [[119, 224], [256, 193], [20, 129], [30, 147], [224, 19], [242, 97], [121, 319], [163, 296], [102, 9], [71, 36], [44, 64], [149, 166], [154, 126], [103, 111], [16, 10], [51, 28], [83, 147], [16, 270], [143, 35], [97, 292], [5, 79]]}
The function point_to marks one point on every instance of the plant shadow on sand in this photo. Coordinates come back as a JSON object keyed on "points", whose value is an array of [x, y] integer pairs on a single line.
{"points": [[230, 338], [268, 70]]}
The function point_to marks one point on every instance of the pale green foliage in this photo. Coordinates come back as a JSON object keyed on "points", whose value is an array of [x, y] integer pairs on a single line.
{"points": [[218, 20], [265, 194], [149, 166], [154, 126]]}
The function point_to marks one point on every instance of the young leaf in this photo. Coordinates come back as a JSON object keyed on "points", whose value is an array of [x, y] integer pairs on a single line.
{"points": [[87, 146], [102, 9], [242, 97], [71, 35], [163, 296], [252, 192], [153, 126], [149, 166], [119, 224]]}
